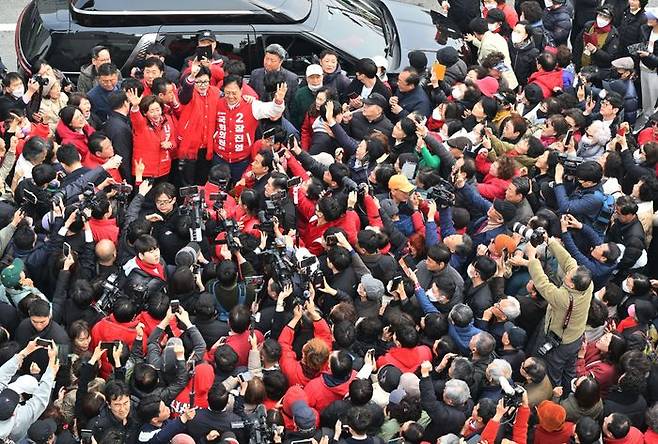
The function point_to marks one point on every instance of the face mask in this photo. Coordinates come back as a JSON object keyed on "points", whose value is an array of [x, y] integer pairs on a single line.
{"points": [[625, 287], [517, 38], [489, 6], [18, 92], [314, 88], [457, 93], [601, 22], [492, 26], [638, 157]]}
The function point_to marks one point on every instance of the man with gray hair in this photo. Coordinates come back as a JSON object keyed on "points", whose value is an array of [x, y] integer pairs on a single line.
{"points": [[273, 61], [498, 368], [460, 326], [495, 317], [449, 414]]}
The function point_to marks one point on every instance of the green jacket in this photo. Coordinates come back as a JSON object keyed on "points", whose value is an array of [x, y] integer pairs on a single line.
{"points": [[558, 297], [299, 105], [500, 148]]}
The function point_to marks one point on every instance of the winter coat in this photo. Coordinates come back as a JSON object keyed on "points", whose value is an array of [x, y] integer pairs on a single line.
{"points": [[290, 366], [462, 336], [602, 56], [301, 102], [478, 298], [338, 82], [634, 436], [557, 23], [582, 203], [558, 298], [575, 412], [79, 139], [406, 359], [257, 82], [593, 364], [524, 59], [198, 121], [628, 234], [119, 130], [445, 418], [547, 80], [106, 421], [99, 99], [207, 420], [325, 389], [109, 329], [631, 404], [414, 100], [630, 26], [359, 127], [147, 141]]}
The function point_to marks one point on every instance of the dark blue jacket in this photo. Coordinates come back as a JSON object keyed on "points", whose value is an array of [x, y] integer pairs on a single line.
{"points": [[99, 101], [582, 203], [557, 23], [600, 271], [414, 100]]}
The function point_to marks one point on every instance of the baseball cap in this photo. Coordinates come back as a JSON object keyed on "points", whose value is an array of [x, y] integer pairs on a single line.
{"points": [[373, 287], [517, 336], [388, 377], [506, 209], [8, 401], [205, 35], [396, 396], [376, 99], [11, 275], [400, 182], [303, 415], [313, 70], [488, 85], [41, 431]]}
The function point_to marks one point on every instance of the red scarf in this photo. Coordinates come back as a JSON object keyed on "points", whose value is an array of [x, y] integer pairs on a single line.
{"points": [[603, 30], [157, 271]]}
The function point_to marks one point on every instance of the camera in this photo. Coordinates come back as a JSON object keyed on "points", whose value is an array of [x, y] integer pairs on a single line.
{"points": [[111, 292], [232, 240], [570, 163], [194, 205], [42, 81], [512, 396], [552, 341], [260, 432], [443, 193], [535, 237]]}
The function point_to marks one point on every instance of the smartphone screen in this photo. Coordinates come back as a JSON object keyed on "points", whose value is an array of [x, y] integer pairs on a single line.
{"points": [[203, 51], [66, 249]]}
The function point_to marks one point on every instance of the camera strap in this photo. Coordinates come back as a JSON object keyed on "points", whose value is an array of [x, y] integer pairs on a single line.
{"points": [[567, 316]]}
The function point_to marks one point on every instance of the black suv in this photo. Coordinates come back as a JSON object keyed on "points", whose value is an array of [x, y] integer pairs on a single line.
{"points": [[64, 31]]}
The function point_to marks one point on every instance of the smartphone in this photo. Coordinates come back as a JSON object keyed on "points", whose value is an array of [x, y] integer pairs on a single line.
{"points": [[86, 435], [109, 345], [175, 305], [245, 376], [203, 51], [294, 182], [307, 262], [353, 95], [331, 240], [44, 342], [567, 138], [291, 140], [396, 282], [66, 249], [269, 133], [409, 170]]}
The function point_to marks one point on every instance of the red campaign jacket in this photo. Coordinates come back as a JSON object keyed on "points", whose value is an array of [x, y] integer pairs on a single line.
{"points": [[38, 129], [321, 393], [547, 80], [204, 376], [150, 323], [104, 229], [146, 144], [349, 222], [230, 205], [236, 131], [197, 123], [216, 72], [295, 393], [406, 359], [109, 329], [80, 140], [240, 344], [288, 362], [93, 161], [307, 132]]}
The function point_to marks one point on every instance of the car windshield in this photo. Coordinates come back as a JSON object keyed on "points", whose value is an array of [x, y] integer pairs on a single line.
{"points": [[345, 15]]}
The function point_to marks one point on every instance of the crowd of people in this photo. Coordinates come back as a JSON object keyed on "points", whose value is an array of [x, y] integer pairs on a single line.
{"points": [[455, 253]]}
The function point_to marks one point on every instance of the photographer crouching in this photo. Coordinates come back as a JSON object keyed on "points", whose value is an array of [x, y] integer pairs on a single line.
{"points": [[564, 324]]}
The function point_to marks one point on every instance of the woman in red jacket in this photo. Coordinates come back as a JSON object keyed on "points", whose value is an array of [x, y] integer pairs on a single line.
{"points": [[600, 359], [154, 135], [74, 129], [496, 179], [313, 113], [248, 206]]}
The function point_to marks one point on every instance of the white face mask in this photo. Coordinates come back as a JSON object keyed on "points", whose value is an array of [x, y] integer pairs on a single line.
{"points": [[18, 92], [492, 26], [638, 157], [314, 88], [457, 93], [601, 22], [625, 287], [517, 38], [490, 6]]}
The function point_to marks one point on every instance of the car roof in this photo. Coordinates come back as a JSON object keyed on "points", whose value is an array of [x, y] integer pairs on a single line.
{"points": [[280, 10]]}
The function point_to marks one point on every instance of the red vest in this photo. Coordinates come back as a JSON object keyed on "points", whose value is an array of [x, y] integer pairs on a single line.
{"points": [[236, 130], [146, 144], [197, 124]]}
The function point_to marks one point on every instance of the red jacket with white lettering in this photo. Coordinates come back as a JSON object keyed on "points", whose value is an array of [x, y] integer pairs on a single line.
{"points": [[236, 127], [146, 144], [197, 122]]}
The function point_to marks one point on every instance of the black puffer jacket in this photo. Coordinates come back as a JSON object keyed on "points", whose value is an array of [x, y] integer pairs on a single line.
{"points": [[631, 27], [524, 59], [557, 23]]}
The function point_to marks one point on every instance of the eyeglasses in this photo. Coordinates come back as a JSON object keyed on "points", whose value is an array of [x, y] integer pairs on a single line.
{"points": [[202, 82], [163, 202]]}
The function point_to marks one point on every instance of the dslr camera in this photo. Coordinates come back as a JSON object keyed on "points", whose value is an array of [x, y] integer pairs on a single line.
{"points": [[42, 81], [535, 237], [552, 341]]}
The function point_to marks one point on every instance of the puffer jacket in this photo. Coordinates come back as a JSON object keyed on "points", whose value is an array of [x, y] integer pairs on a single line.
{"points": [[557, 23], [523, 59], [406, 359], [631, 26], [147, 141]]}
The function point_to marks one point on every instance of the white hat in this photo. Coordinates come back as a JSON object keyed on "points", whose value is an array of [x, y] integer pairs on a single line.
{"points": [[24, 384], [380, 62], [313, 70]]}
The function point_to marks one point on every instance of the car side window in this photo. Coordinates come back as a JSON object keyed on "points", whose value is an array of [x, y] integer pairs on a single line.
{"points": [[302, 52], [233, 46]]}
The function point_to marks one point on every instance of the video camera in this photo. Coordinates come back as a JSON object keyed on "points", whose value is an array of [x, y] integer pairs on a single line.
{"points": [[230, 227], [512, 396], [260, 432], [443, 193], [111, 292], [194, 205], [536, 237], [570, 163]]}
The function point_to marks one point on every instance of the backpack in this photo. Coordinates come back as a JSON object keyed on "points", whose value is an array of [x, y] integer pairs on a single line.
{"points": [[602, 219], [222, 313]]}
